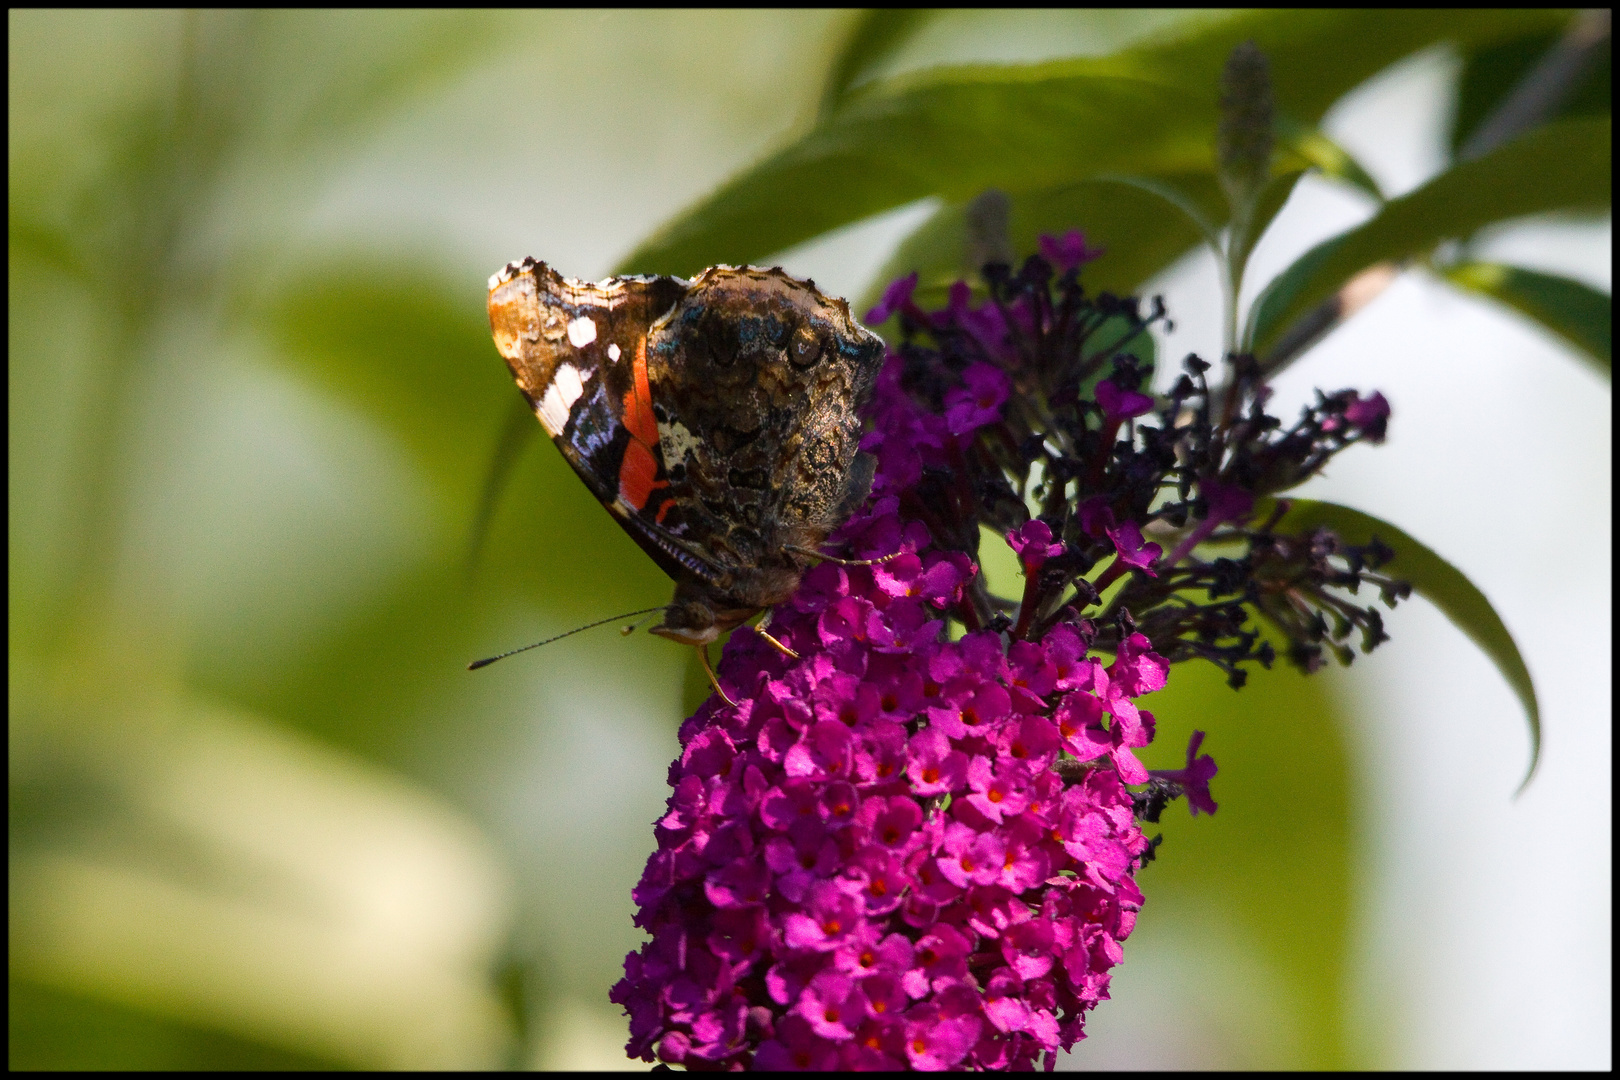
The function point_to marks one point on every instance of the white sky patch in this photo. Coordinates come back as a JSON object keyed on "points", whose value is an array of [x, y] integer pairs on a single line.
{"points": [[581, 332], [565, 389]]}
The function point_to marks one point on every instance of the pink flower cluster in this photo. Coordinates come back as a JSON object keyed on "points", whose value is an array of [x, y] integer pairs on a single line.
{"points": [[898, 850]]}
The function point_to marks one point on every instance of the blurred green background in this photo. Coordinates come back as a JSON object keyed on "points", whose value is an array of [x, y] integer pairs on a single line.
{"points": [[260, 815]]}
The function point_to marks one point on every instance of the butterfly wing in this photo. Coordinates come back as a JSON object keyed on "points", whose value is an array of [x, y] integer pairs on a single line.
{"points": [[758, 378], [578, 351]]}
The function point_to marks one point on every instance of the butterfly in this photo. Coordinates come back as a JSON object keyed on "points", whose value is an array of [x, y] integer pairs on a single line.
{"points": [[717, 419]]}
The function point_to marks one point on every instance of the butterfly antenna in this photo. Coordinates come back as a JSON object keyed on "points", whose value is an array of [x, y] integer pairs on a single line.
{"points": [[639, 623], [476, 664]]}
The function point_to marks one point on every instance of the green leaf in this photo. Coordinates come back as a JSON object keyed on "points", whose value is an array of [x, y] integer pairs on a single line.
{"points": [[876, 36], [1023, 131], [1266, 208], [1576, 312], [363, 67], [1140, 236], [1493, 72], [408, 349], [1560, 166], [1314, 149], [1284, 785], [952, 132], [1445, 586]]}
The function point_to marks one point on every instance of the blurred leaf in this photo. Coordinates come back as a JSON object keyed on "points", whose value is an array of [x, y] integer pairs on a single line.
{"points": [[1574, 311], [1560, 166], [1316, 150], [1493, 72], [53, 1030], [1272, 199], [1275, 863], [1444, 585], [986, 128], [406, 348], [876, 36], [1133, 225], [951, 132], [384, 70], [1207, 224], [518, 432], [48, 244]]}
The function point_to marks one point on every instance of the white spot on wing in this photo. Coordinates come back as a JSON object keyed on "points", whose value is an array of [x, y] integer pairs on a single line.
{"points": [[676, 441], [581, 332], [565, 389], [613, 352]]}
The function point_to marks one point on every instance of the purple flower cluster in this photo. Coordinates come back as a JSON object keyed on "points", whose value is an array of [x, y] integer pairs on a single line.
{"points": [[898, 850], [890, 846]]}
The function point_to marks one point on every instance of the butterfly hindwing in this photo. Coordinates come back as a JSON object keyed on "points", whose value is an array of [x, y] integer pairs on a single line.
{"points": [[717, 418], [578, 353]]}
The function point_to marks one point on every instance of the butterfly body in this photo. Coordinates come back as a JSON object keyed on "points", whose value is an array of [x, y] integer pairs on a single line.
{"points": [[715, 418]]}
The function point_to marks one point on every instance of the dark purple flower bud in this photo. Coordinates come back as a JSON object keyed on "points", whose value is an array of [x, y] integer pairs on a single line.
{"points": [[1370, 416], [1226, 502], [796, 1048], [1096, 516]]}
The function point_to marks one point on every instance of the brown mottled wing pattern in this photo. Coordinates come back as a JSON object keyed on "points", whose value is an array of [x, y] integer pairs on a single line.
{"points": [[717, 418], [756, 378]]}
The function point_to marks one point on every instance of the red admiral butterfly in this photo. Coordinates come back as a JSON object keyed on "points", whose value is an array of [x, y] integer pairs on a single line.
{"points": [[715, 418]]}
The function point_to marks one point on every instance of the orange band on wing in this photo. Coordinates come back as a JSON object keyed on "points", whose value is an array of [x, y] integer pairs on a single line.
{"points": [[638, 412], [638, 476], [638, 471]]}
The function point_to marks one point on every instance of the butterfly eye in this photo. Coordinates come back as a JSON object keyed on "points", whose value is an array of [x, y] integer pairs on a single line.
{"points": [[805, 348]]}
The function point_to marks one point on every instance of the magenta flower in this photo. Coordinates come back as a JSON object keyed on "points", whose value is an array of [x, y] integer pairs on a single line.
{"points": [[1034, 544], [1133, 551], [1069, 250], [978, 401], [895, 844], [870, 862], [895, 298], [985, 324], [1121, 404], [1194, 779]]}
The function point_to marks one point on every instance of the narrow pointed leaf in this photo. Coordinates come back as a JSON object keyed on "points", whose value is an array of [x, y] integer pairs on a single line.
{"points": [[1139, 234], [952, 132], [1443, 584], [1574, 311], [1491, 73], [876, 35], [1561, 166], [1270, 203], [1315, 149]]}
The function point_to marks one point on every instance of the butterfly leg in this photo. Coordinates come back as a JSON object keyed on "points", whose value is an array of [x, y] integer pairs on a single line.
{"points": [[824, 557], [703, 655], [777, 645]]}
